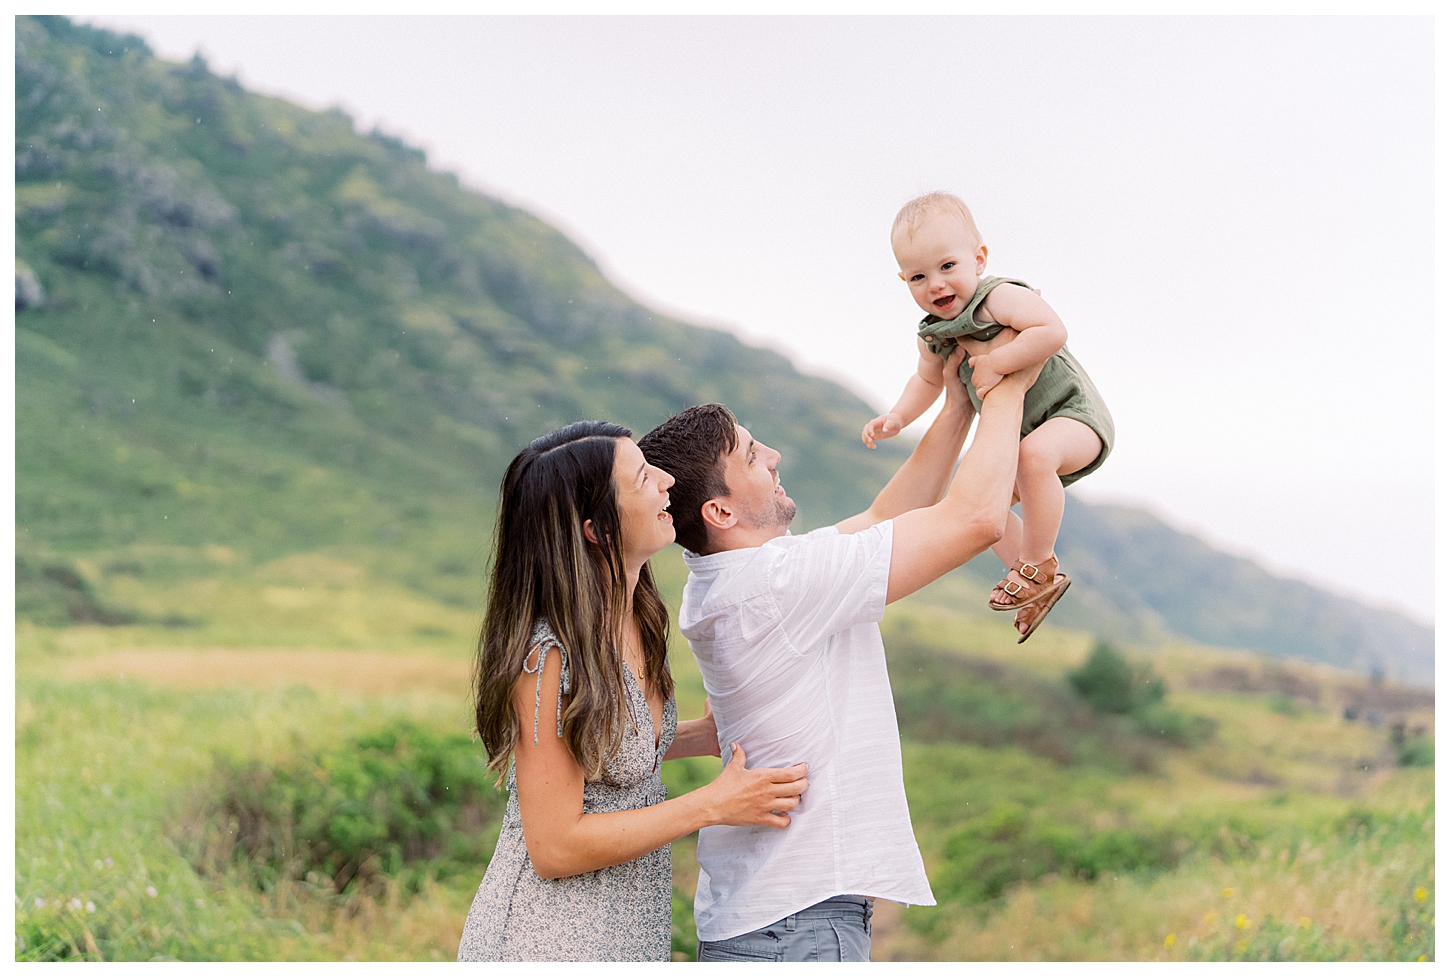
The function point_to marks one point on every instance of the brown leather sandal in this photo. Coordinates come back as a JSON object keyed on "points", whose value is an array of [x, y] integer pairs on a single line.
{"points": [[1034, 613], [1033, 583]]}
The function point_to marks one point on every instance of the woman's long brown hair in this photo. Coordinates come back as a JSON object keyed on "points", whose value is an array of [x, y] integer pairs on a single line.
{"points": [[544, 567]]}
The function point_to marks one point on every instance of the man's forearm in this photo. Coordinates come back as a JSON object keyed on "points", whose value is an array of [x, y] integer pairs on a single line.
{"points": [[930, 542], [922, 479], [987, 474]]}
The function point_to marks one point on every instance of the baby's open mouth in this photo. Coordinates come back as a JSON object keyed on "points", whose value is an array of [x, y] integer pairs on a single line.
{"points": [[945, 301]]}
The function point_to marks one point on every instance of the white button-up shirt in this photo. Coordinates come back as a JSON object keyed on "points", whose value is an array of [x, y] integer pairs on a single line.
{"points": [[787, 640]]}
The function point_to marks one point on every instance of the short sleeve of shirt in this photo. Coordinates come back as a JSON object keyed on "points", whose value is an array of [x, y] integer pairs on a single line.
{"points": [[828, 581]]}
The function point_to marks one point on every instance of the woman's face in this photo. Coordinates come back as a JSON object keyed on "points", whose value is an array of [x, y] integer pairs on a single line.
{"points": [[642, 491]]}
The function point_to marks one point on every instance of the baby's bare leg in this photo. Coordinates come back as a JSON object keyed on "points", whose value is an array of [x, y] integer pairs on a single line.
{"points": [[1059, 447]]}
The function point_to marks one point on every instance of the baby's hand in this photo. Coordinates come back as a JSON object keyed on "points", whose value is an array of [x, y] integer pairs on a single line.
{"points": [[888, 425], [984, 378]]}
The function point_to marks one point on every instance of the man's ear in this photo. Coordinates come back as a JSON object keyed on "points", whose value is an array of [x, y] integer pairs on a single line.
{"points": [[589, 532], [718, 515]]}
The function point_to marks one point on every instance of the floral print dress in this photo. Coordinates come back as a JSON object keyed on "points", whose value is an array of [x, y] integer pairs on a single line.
{"points": [[617, 913]]}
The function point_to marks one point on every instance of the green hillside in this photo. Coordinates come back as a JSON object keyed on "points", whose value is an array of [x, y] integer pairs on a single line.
{"points": [[250, 299], [241, 324], [1140, 580]]}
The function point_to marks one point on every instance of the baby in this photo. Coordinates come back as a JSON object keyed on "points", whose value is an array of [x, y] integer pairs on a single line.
{"points": [[1005, 326]]}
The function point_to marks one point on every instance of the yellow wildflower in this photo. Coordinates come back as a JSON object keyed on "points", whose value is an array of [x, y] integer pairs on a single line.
{"points": [[1305, 922], [1420, 894], [1170, 939], [1227, 893], [1421, 959], [1242, 921], [1210, 919]]}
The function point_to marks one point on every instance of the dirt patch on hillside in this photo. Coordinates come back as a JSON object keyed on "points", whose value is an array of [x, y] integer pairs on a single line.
{"points": [[345, 671]]}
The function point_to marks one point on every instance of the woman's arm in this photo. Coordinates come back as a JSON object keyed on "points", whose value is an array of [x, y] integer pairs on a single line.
{"points": [[562, 840], [695, 737]]}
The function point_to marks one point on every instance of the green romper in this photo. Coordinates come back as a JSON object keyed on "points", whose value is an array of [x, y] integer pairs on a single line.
{"points": [[1062, 390]]}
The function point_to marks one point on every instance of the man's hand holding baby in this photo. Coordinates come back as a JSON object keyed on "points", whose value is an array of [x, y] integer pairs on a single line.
{"points": [[951, 375], [984, 378]]}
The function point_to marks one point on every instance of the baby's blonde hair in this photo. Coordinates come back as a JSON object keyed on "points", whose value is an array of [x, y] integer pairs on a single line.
{"points": [[937, 203]]}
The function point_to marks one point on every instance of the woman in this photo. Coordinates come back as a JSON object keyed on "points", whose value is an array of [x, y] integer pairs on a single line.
{"points": [[576, 703]]}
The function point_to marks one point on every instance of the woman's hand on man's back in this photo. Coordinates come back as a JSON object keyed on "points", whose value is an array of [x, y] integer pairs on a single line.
{"points": [[742, 797]]}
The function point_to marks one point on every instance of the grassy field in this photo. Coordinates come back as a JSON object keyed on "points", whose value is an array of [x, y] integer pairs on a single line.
{"points": [[1268, 826]]}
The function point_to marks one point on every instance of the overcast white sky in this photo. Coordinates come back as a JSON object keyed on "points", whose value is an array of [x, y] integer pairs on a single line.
{"points": [[1234, 216]]}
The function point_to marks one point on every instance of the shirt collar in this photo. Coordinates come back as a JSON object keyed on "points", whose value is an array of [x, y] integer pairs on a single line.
{"points": [[714, 561]]}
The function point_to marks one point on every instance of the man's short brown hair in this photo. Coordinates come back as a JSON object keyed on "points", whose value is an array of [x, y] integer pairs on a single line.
{"points": [[692, 446]]}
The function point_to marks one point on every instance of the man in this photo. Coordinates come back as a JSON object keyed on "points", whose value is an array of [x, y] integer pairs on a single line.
{"points": [[785, 632]]}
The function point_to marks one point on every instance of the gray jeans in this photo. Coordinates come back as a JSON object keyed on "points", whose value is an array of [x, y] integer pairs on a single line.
{"points": [[836, 929]]}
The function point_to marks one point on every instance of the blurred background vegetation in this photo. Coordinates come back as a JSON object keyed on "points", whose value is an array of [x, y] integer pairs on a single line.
{"points": [[268, 372]]}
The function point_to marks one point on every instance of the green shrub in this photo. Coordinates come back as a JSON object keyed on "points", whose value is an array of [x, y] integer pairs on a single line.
{"points": [[1174, 726], [1110, 684], [52, 592], [942, 696], [1119, 852], [399, 802], [1008, 845], [1418, 752]]}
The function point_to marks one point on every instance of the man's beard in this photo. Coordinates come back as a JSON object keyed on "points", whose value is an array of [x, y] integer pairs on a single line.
{"points": [[775, 515]]}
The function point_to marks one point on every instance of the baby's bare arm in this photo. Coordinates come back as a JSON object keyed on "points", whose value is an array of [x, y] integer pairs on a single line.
{"points": [[922, 390], [1040, 331]]}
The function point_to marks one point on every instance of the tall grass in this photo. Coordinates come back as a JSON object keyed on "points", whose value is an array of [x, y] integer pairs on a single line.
{"points": [[1034, 853], [1328, 894], [106, 769]]}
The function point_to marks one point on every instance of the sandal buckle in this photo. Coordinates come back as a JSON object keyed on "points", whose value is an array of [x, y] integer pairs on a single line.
{"points": [[1013, 588], [1025, 575]]}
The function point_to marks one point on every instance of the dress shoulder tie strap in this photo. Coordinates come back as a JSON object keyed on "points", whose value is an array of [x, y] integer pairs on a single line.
{"points": [[541, 650]]}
